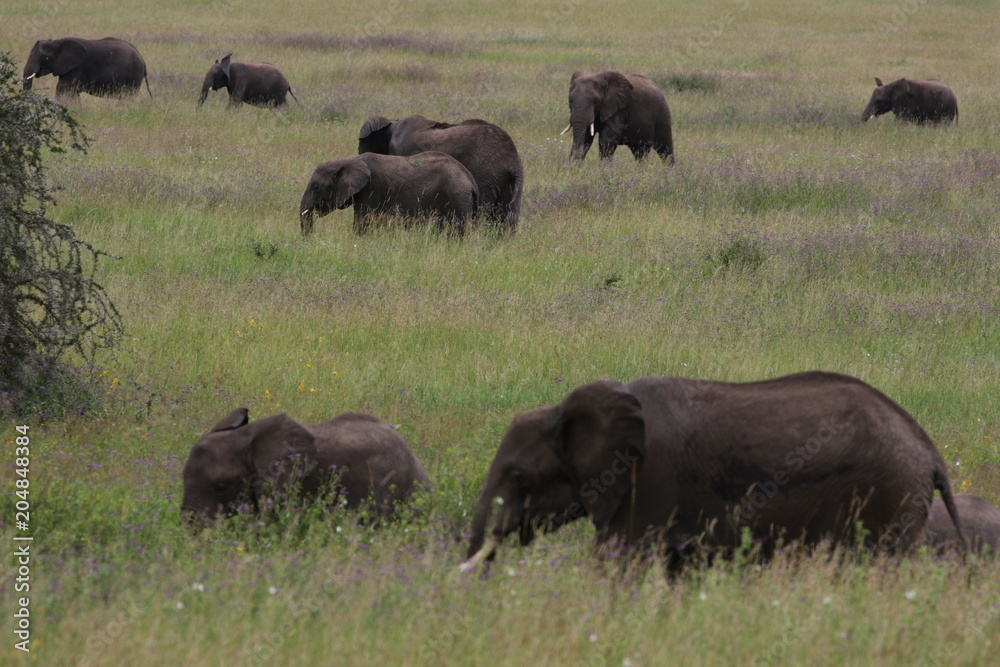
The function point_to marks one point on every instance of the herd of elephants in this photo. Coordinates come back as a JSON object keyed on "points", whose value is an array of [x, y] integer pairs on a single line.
{"points": [[666, 464]]}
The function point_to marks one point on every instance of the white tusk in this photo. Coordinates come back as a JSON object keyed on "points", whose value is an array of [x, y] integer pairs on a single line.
{"points": [[30, 77], [305, 211], [564, 131], [481, 555], [591, 129]]}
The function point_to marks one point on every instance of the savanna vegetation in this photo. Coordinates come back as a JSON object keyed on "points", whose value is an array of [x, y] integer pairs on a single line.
{"points": [[788, 236]]}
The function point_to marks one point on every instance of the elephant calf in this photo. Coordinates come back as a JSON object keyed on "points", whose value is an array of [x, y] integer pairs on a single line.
{"points": [[682, 463], [260, 84], [421, 185], [360, 456], [980, 523], [913, 100], [483, 148]]}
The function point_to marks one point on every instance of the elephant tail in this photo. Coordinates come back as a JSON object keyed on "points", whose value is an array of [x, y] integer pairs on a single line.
{"points": [[942, 485], [145, 77], [475, 202], [293, 95]]}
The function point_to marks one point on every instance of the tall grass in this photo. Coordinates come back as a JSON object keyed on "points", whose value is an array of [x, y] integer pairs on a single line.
{"points": [[787, 237]]}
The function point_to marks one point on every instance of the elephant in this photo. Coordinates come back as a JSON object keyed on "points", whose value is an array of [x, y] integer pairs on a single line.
{"points": [[678, 464], [260, 84], [486, 150], [928, 101], [239, 461], [101, 67], [421, 185], [624, 110], [979, 519]]}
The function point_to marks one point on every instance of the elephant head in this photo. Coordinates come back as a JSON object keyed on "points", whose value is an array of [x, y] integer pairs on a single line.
{"points": [[375, 136], [597, 103], [53, 56], [559, 463], [885, 98], [333, 186], [236, 459], [217, 77]]}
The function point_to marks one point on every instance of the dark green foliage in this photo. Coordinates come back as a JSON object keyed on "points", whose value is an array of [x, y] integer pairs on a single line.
{"points": [[49, 300], [684, 82], [738, 251]]}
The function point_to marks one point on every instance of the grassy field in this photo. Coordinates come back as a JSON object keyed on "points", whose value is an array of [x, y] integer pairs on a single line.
{"points": [[788, 236]]}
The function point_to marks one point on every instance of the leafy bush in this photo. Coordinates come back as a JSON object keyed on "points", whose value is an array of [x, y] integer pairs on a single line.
{"points": [[50, 301]]}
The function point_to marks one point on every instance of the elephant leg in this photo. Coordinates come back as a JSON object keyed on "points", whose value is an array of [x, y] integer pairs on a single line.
{"points": [[641, 151], [66, 88], [607, 149], [361, 222]]}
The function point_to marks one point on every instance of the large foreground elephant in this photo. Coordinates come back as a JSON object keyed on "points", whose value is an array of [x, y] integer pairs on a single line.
{"points": [[980, 525], [425, 185], [682, 463], [486, 150], [623, 110], [260, 84], [359, 456], [99, 67], [913, 100]]}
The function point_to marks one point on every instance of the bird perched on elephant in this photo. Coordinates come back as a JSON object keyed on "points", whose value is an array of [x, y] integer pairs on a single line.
{"points": [[914, 100], [486, 150], [425, 185], [678, 463], [100, 67], [260, 84], [979, 519], [623, 110], [356, 455]]}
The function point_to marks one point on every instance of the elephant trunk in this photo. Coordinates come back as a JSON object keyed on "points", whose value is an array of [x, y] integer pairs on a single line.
{"points": [[868, 112], [306, 211], [30, 72], [479, 524], [204, 93], [582, 122]]}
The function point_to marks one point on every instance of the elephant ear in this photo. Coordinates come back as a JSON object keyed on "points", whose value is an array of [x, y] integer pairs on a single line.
{"points": [[71, 55], [235, 419], [605, 436], [374, 124], [226, 62], [280, 448], [350, 180], [576, 75], [617, 97], [878, 82], [375, 135]]}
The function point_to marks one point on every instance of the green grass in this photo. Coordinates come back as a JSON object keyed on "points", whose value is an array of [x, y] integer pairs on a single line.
{"points": [[787, 237]]}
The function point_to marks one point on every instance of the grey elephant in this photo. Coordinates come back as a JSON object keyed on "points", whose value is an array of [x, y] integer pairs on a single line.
{"points": [[430, 184], [623, 110], [680, 464], [979, 519], [485, 149], [101, 67], [260, 84], [914, 100], [356, 455]]}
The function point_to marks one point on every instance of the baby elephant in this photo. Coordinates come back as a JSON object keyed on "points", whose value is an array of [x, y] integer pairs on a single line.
{"points": [[421, 185], [237, 462], [980, 523], [260, 84], [913, 100]]}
